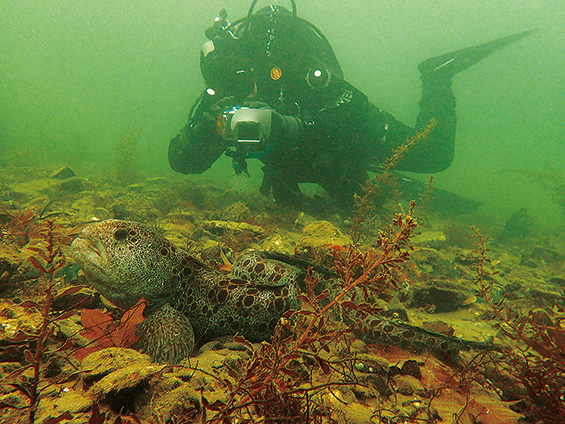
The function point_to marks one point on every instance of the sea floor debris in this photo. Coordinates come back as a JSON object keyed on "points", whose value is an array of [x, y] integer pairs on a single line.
{"points": [[510, 292]]}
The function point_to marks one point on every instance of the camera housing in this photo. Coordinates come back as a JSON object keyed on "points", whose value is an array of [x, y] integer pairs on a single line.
{"points": [[247, 127]]}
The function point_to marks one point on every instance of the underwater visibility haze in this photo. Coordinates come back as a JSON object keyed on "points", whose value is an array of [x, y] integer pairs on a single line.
{"points": [[76, 74], [424, 311]]}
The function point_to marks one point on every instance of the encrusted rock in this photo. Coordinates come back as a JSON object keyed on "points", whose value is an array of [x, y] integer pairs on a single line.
{"points": [[429, 238], [277, 243], [170, 405], [63, 173], [232, 227], [103, 362], [70, 400], [438, 297], [408, 385], [322, 234], [70, 185], [439, 327], [237, 211], [120, 375], [543, 256], [126, 379]]}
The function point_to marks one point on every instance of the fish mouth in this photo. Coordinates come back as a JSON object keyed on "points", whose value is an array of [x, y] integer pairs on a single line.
{"points": [[88, 251]]}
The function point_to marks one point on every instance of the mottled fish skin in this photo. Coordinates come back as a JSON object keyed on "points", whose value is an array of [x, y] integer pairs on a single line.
{"points": [[126, 261], [418, 340]]}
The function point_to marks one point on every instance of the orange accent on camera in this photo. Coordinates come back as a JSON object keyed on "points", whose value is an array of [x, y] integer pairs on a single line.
{"points": [[220, 125]]}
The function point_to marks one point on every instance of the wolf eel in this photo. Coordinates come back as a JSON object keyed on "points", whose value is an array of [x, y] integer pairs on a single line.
{"points": [[187, 300]]}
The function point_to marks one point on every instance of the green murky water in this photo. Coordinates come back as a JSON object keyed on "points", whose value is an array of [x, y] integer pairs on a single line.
{"points": [[76, 74]]}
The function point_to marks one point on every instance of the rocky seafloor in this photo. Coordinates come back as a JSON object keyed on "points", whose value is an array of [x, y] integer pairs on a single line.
{"points": [[512, 297]]}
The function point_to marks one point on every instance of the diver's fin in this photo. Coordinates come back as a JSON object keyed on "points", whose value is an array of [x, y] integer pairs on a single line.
{"points": [[446, 202], [449, 64]]}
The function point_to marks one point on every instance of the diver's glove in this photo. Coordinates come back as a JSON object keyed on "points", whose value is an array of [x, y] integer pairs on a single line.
{"points": [[210, 118], [198, 144]]}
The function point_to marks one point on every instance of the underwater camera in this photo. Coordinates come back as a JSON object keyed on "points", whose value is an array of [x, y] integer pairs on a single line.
{"points": [[246, 127]]}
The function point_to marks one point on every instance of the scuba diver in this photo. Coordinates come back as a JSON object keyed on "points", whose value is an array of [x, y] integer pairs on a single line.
{"points": [[275, 91]]}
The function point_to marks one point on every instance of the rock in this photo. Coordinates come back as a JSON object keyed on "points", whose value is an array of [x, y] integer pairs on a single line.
{"points": [[14, 399], [545, 297], [6, 368], [412, 368], [438, 297], [123, 383], [70, 400], [519, 226], [232, 227], [370, 364], [69, 327], [103, 362], [8, 267], [303, 219], [429, 238], [557, 281], [276, 243], [321, 234], [408, 385], [159, 181], [182, 401], [540, 317], [374, 374], [119, 211], [119, 376], [178, 234], [344, 409], [63, 173], [543, 256], [439, 327], [16, 319], [211, 250], [431, 264], [236, 212], [87, 297], [72, 185], [235, 346]]}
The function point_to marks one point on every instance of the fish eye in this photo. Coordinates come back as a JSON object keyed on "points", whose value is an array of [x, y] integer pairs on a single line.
{"points": [[121, 234]]}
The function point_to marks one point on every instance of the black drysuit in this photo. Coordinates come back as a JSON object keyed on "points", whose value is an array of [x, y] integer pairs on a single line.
{"points": [[324, 132]]}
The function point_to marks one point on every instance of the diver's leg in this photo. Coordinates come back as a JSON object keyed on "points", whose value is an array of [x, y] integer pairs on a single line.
{"points": [[438, 102], [285, 190], [343, 184]]}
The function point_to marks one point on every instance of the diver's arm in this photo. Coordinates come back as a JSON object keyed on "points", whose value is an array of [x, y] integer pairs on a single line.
{"points": [[198, 144]]}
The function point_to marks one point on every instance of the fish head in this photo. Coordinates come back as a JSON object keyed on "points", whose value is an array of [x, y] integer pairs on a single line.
{"points": [[125, 261]]}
